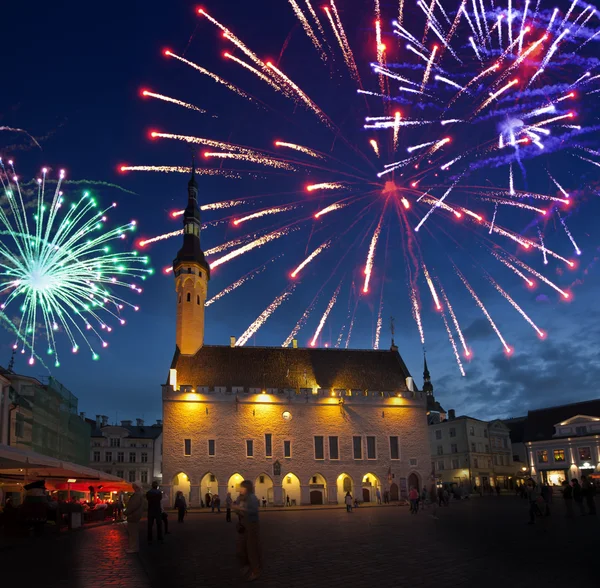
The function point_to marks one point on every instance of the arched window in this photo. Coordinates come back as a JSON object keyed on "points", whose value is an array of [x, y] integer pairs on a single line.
{"points": [[198, 299], [189, 297]]}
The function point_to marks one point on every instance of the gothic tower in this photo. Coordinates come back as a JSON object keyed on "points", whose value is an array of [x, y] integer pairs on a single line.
{"points": [[192, 274]]}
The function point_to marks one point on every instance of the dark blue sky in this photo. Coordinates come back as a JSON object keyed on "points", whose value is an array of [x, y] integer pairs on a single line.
{"points": [[73, 74]]}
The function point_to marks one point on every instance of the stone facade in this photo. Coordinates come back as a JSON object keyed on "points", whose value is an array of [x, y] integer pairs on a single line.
{"points": [[231, 420]]}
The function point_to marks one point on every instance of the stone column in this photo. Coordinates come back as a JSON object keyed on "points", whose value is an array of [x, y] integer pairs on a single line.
{"points": [[332, 497], [277, 495], [304, 495], [194, 496]]}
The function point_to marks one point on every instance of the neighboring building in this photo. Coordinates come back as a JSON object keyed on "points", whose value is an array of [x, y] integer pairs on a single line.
{"points": [[304, 424], [42, 417], [563, 442], [469, 452], [133, 453]]}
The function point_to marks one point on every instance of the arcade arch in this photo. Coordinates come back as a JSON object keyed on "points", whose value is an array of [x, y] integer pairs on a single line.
{"points": [[291, 490], [344, 484]]}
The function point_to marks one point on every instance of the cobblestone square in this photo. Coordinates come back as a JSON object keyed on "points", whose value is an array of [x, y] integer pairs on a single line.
{"points": [[482, 541]]}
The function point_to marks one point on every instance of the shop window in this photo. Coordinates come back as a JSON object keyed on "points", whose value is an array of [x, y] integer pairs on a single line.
{"points": [[559, 455], [542, 456], [585, 454]]}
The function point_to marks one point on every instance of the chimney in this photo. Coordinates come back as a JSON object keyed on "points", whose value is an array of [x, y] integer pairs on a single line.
{"points": [[82, 416], [98, 420], [295, 343], [104, 420], [126, 423], [231, 341], [139, 422], [159, 422], [451, 414]]}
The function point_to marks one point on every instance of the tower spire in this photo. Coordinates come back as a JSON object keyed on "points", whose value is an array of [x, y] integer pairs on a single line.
{"points": [[192, 273], [427, 385]]}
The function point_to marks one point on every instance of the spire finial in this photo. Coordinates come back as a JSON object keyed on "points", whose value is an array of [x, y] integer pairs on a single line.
{"points": [[11, 363], [193, 166]]}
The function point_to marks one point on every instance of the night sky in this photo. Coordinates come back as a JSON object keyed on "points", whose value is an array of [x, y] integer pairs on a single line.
{"points": [[72, 78]]}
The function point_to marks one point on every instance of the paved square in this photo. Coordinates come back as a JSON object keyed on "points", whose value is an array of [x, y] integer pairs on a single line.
{"points": [[483, 541]]}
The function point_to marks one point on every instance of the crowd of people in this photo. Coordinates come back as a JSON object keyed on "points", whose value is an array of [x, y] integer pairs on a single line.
{"points": [[541, 496]]}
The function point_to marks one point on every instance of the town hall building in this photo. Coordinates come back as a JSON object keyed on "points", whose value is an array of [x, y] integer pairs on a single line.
{"points": [[305, 425]]}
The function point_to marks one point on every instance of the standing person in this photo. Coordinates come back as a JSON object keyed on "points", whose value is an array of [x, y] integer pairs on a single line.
{"points": [[180, 505], [440, 496], [154, 498], [534, 498], [228, 503], [589, 491], [207, 499], [578, 496], [135, 506], [568, 498], [287, 500], [248, 539], [378, 495], [413, 496], [164, 516], [348, 501], [213, 503]]}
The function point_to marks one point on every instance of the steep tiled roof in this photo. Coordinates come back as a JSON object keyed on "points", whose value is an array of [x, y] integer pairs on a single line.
{"points": [[540, 423], [281, 367], [517, 428]]}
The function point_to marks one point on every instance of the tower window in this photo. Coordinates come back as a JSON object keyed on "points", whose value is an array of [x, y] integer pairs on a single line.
{"points": [[189, 270], [189, 297], [200, 274], [198, 299]]}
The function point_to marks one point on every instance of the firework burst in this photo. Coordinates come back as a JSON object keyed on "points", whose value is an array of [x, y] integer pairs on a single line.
{"points": [[457, 114], [58, 272]]}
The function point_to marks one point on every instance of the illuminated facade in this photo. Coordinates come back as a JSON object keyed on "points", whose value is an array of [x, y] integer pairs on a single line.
{"points": [[305, 425], [563, 442]]}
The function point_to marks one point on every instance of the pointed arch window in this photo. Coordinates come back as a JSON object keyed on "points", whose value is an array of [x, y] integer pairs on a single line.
{"points": [[189, 297]]}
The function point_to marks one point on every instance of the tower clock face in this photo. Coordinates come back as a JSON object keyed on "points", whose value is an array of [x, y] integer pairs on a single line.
{"points": [[287, 416]]}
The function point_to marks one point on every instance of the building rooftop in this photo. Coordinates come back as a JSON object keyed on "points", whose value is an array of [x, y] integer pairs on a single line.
{"points": [[288, 367], [144, 432], [540, 423], [517, 428]]}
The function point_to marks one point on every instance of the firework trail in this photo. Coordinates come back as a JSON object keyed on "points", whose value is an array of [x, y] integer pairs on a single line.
{"points": [[568, 233], [455, 321], [540, 333], [379, 320], [453, 344], [211, 75], [172, 101], [264, 316], [307, 28], [58, 269], [257, 73], [310, 258], [341, 36], [507, 348], [261, 213], [541, 277], [303, 319], [325, 315], [248, 247], [180, 169], [325, 186], [516, 271], [158, 238], [330, 208], [429, 281], [542, 245], [371, 256], [299, 148], [249, 276], [253, 158]]}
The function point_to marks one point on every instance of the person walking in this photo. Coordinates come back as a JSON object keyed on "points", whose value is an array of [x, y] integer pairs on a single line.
{"points": [[180, 506], [413, 496], [216, 502], [248, 538], [154, 498], [348, 501], [228, 503], [589, 491], [378, 495], [440, 496], [578, 496], [567, 493], [133, 512], [534, 499]]}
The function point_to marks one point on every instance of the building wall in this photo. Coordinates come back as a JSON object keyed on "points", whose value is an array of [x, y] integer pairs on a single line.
{"points": [[473, 452], [230, 423], [130, 471]]}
